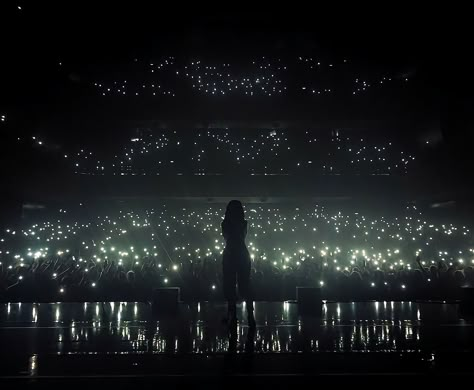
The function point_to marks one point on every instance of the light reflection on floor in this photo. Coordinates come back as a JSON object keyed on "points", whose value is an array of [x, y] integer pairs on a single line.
{"points": [[129, 327]]}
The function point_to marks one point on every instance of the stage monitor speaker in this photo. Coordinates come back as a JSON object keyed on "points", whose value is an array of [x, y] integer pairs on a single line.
{"points": [[165, 301], [309, 301], [466, 305]]}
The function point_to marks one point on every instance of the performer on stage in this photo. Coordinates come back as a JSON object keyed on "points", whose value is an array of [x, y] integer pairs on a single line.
{"points": [[236, 261]]}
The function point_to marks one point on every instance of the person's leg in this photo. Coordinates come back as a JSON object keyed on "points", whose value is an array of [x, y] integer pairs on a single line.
{"points": [[229, 281], [245, 291]]}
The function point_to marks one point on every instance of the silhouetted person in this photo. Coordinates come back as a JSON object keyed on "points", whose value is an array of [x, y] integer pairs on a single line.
{"points": [[236, 261]]}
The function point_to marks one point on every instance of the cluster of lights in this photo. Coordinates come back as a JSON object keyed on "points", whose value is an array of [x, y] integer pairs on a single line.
{"points": [[363, 86], [152, 152], [223, 79], [284, 239], [262, 76], [151, 71]]}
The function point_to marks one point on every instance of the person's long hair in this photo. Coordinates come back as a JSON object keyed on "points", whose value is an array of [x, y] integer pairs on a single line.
{"points": [[234, 212]]}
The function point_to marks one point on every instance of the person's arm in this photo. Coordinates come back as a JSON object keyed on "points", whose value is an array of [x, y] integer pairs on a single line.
{"points": [[46, 265], [418, 261], [56, 266], [224, 230], [12, 285], [62, 273]]}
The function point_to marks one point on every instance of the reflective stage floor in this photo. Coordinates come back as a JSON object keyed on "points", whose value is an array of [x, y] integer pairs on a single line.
{"points": [[123, 340]]}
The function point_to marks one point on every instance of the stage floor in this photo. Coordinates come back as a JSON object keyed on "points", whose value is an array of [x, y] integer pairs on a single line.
{"points": [[114, 339]]}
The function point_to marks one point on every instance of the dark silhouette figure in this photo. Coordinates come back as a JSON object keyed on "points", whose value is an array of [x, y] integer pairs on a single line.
{"points": [[236, 261]]}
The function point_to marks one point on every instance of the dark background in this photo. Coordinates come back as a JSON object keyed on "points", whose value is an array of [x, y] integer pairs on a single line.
{"points": [[92, 39]]}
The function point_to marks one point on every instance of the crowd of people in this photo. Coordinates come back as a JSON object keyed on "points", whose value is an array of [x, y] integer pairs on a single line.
{"points": [[79, 254], [260, 77], [260, 152]]}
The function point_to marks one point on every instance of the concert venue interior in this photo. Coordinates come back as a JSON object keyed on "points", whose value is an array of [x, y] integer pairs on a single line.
{"points": [[127, 130]]}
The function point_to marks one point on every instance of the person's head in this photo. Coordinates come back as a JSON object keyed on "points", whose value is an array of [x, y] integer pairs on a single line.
{"points": [[356, 276], [459, 277], [234, 211], [131, 276], [469, 274]]}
